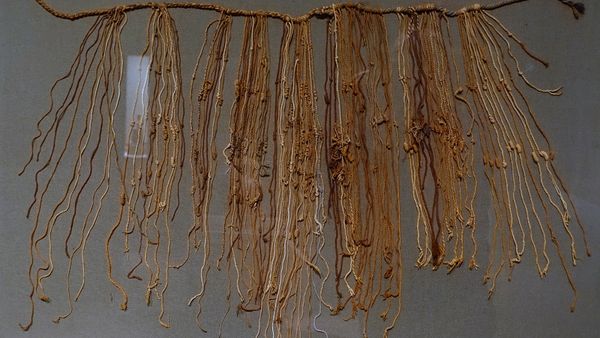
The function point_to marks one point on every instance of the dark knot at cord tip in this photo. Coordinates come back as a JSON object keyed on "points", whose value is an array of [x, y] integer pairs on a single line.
{"points": [[578, 8]]}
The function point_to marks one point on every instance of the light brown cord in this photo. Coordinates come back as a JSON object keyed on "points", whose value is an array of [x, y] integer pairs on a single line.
{"points": [[363, 159], [434, 143], [204, 152], [510, 132], [99, 57]]}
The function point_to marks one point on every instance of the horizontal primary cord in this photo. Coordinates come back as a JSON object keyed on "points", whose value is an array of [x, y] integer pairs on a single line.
{"points": [[321, 12]]}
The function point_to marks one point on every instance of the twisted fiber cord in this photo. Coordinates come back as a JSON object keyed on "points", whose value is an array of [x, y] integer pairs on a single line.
{"points": [[245, 157], [98, 72], [296, 191], [436, 149], [509, 132], [204, 152], [154, 180], [98, 59], [320, 12], [362, 142]]}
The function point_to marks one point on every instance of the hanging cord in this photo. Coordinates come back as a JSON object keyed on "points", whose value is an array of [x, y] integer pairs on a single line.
{"points": [[578, 9]]}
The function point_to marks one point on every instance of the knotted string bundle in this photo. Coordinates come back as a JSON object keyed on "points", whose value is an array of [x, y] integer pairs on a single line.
{"points": [[363, 161], [437, 151], [296, 168]]}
